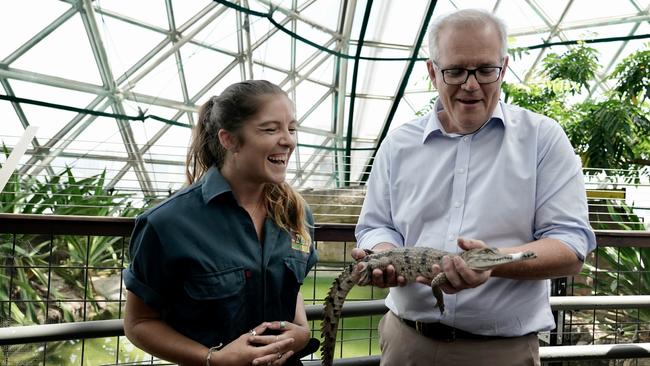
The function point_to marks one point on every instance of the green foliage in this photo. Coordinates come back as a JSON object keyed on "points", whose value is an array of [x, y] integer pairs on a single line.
{"points": [[547, 99], [578, 66], [427, 108], [517, 52], [633, 74], [609, 134], [619, 271], [621, 217], [24, 283], [30, 263], [95, 351], [612, 133], [13, 194]]}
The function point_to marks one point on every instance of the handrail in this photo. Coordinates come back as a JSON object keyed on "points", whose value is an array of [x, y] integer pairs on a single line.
{"points": [[119, 226], [61, 332], [594, 351], [111, 328], [350, 361], [546, 354], [122, 226]]}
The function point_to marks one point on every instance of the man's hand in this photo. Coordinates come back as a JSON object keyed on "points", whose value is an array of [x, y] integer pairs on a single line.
{"points": [[459, 275], [380, 278]]}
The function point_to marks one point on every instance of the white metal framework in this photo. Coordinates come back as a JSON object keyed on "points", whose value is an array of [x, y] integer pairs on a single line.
{"points": [[354, 69]]}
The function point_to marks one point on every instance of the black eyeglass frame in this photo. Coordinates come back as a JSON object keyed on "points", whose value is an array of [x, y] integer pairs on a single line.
{"points": [[469, 73]]}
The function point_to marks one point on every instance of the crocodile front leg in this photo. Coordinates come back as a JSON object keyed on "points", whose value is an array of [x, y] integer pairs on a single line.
{"points": [[439, 279]]}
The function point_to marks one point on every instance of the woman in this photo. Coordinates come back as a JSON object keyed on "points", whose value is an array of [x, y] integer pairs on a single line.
{"points": [[216, 269]]}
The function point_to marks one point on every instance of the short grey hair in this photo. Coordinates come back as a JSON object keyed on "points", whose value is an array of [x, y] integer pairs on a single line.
{"points": [[466, 17]]}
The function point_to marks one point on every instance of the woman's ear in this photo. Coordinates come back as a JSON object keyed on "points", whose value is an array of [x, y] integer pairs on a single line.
{"points": [[228, 140]]}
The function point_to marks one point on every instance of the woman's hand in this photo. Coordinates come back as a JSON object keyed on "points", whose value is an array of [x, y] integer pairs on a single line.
{"points": [[287, 339], [255, 348]]}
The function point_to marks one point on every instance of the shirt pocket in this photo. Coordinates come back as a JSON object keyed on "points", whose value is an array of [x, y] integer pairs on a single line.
{"points": [[215, 285], [215, 304], [297, 268]]}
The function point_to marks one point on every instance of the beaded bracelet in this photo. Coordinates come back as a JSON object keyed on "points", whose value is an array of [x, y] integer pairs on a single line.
{"points": [[212, 349]]}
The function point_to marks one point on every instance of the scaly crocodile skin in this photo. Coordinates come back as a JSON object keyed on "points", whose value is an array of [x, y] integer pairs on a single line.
{"points": [[410, 263]]}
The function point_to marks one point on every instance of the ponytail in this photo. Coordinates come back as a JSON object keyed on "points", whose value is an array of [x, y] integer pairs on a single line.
{"points": [[205, 149]]}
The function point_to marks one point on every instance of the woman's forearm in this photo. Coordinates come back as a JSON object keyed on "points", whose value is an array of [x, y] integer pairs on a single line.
{"points": [[144, 328]]}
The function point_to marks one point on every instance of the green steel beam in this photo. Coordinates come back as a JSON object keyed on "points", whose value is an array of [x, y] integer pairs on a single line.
{"points": [[402, 88]]}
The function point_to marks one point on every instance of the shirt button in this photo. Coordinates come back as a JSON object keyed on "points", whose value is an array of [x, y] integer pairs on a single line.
{"points": [[465, 138], [450, 237], [460, 171], [457, 204], [248, 273]]}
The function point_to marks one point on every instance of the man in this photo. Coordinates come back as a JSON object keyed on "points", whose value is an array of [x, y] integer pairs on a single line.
{"points": [[474, 172]]}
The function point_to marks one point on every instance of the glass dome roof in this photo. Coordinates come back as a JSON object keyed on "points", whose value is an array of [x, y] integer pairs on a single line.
{"points": [[114, 85]]}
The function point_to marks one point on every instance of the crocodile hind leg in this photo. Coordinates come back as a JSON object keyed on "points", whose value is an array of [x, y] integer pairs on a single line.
{"points": [[437, 292]]}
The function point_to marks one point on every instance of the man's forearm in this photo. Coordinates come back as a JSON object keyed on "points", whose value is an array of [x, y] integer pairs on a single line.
{"points": [[554, 259]]}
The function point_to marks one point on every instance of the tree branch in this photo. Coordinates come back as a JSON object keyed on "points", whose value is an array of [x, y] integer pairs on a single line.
{"points": [[640, 161]]}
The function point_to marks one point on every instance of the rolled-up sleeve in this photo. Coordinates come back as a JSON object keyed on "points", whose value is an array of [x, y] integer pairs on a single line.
{"points": [[145, 275], [561, 202], [375, 223]]}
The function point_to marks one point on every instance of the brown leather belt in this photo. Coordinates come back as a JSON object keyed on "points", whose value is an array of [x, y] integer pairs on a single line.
{"points": [[445, 333]]}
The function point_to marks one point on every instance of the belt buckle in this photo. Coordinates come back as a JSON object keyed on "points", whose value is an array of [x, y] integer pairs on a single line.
{"points": [[418, 327]]}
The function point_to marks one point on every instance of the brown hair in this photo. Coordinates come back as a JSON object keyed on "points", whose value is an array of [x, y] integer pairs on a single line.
{"points": [[236, 105]]}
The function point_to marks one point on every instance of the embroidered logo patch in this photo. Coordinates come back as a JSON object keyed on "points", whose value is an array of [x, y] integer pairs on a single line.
{"points": [[299, 243]]}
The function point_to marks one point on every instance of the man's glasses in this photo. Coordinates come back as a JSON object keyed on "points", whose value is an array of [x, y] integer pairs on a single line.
{"points": [[483, 75]]}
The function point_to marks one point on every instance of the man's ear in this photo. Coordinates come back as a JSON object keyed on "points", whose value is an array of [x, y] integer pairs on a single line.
{"points": [[505, 67], [432, 73], [228, 140]]}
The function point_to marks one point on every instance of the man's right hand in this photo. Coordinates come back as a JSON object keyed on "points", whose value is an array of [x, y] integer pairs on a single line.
{"points": [[383, 279]]}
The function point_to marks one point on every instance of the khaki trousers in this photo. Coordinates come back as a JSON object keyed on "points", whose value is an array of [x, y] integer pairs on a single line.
{"points": [[401, 345]]}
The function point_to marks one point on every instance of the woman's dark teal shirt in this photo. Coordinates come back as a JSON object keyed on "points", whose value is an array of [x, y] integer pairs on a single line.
{"points": [[197, 260]]}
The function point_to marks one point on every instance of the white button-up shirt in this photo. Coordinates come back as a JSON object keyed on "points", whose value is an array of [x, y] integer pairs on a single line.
{"points": [[515, 180]]}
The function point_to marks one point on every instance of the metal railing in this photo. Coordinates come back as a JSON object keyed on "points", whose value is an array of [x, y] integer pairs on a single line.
{"points": [[112, 328], [569, 309]]}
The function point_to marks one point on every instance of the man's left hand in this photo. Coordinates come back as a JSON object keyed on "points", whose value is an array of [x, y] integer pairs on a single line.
{"points": [[459, 275]]}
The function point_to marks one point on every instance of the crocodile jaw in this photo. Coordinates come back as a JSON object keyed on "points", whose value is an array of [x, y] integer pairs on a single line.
{"points": [[487, 258]]}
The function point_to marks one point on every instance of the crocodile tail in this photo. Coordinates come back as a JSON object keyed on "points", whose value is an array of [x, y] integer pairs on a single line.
{"points": [[332, 313]]}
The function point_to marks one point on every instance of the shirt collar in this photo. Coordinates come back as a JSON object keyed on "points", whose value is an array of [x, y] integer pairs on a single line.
{"points": [[434, 126], [213, 184]]}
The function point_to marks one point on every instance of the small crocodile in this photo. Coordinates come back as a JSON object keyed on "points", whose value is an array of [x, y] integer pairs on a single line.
{"points": [[409, 262]]}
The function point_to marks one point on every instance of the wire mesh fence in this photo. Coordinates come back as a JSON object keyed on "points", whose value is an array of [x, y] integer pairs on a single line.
{"points": [[57, 271]]}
